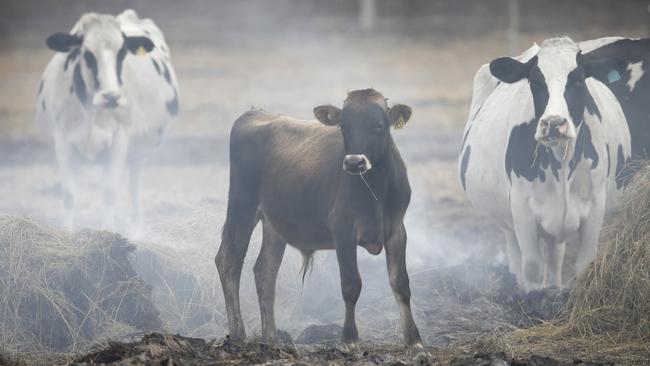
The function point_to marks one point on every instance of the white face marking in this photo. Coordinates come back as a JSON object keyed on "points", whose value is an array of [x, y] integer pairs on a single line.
{"points": [[636, 72], [104, 40], [555, 63]]}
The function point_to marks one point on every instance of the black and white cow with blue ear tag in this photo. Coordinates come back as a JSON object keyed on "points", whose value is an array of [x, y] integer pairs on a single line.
{"points": [[110, 90], [540, 155]]}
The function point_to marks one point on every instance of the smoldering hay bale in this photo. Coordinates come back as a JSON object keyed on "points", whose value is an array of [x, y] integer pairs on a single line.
{"points": [[612, 297], [62, 291], [608, 312]]}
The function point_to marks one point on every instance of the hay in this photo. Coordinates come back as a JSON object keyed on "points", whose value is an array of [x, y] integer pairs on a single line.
{"points": [[63, 292], [607, 316]]}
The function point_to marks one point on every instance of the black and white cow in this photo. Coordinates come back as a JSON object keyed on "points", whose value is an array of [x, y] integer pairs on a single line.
{"points": [[110, 88], [631, 87], [541, 153]]}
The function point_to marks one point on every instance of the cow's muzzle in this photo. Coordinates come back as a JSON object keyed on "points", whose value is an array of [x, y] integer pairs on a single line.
{"points": [[553, 129], [108, 99], [356, 164]]}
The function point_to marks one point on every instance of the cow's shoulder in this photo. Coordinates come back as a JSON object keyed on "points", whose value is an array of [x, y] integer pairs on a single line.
{"points": [[485, 83]]}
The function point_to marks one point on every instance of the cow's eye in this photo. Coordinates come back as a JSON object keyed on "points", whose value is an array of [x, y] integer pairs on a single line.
{"points": [[378, 127]]}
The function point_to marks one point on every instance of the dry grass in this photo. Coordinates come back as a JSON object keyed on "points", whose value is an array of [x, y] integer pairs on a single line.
{"points": [[608, 314], [63, 291]]}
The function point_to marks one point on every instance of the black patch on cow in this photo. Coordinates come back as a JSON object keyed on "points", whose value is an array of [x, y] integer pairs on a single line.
{"points": [[71, 89], [121, 54], [584, 149], [463, 165], [40, 87], [526, 158], [43, 104], [591, 106], [91, 62], [539, 89], [155, 64], [575, 92], [462, 145], [72, 57], [634, 103], [79, 85], [172, 105], [620, 164], [609, 159], [166, 73]]}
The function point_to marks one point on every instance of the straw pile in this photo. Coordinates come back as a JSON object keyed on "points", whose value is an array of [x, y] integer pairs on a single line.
{"points": [[63, 292], [608, 313]]}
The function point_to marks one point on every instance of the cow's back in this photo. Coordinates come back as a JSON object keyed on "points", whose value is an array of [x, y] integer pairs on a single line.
{"points": [[294, 166]]}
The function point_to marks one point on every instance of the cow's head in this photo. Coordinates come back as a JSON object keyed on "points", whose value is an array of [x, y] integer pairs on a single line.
{"points": [[101, 47], [556, 76], [365, 123]]}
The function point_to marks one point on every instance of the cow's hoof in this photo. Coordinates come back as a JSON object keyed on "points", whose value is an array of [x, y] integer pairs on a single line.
{"points": [[352, 348], [420, 356]]}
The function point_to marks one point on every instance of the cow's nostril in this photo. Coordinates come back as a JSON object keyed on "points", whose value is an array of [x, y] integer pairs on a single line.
{"points": [[111, 97]]}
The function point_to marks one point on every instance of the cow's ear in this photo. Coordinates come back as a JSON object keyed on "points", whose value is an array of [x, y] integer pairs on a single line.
{"points": [[328, 115], [510, 70], [399, 114], [606, 70], [138, 45], [63, 42]]}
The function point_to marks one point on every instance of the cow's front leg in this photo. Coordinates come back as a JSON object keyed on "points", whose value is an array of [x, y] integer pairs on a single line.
{"points": [[527, 233], [346, 253], [514, 255], [135, 185], [119, 151], [399, 281], [62, 151], [590, 233], [555, 259]]}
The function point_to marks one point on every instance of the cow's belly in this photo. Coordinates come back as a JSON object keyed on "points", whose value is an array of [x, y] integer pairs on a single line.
{"points": [[489, 191], [299, 225]]}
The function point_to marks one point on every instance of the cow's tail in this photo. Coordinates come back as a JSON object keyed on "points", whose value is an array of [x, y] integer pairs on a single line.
{"points": [[307, 265]]}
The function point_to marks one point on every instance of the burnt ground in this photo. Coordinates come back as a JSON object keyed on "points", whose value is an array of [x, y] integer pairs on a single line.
{"points": [[461, 290], [157, 349]]}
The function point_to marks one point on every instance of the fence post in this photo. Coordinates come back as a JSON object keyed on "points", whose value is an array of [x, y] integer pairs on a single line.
{"points": [[367, 14], [513, 27]]}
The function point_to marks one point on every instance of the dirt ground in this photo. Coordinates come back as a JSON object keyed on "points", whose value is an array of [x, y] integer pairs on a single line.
{"points": [[453, 253]]}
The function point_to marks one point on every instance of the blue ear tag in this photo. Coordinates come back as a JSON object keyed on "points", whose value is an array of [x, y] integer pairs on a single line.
{"points": [[613, 76]]}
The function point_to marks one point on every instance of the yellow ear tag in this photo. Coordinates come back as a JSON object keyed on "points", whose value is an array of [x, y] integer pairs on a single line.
{"points": [[400, 123], [141, 51]]}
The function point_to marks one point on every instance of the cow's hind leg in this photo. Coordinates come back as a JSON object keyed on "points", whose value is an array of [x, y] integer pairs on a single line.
{"points": [[399, 281], [241, 218], [62, 151], [266, 273]]}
